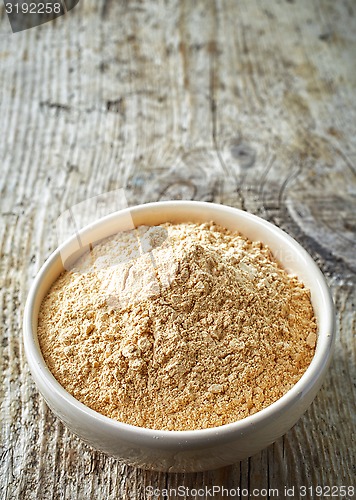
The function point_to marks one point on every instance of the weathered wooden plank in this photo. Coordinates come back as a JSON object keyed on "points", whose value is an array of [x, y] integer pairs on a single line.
{"points": [[243, 103]]}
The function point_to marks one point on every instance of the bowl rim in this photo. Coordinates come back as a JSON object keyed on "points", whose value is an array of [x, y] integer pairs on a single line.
{"points": [[318, 364]]}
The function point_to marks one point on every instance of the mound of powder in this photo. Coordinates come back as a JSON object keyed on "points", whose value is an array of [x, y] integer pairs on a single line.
{"points": [[177, 327]]}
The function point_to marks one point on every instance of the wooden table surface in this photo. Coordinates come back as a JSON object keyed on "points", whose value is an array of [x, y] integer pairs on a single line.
{"points": [[246, 103]]}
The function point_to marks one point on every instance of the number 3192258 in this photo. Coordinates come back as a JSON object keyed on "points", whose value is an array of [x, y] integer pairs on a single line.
{"points": [[33, 8], [327, 491]]}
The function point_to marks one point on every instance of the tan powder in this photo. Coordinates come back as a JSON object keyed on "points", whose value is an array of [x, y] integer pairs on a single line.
{"points": [[194, 330]]}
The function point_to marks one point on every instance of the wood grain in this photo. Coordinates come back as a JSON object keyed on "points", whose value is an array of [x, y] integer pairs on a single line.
{"points": [[250, 104]]}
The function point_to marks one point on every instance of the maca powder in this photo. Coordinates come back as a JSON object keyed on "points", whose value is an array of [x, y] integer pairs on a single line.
{"points": [[177, 327]]}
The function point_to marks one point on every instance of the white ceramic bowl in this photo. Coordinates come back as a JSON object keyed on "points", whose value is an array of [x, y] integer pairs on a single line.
{"points": [[198, 449]]}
